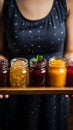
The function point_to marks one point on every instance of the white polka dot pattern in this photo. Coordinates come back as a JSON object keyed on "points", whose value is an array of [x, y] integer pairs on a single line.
{"points": [[28, 38], [40, 35]]}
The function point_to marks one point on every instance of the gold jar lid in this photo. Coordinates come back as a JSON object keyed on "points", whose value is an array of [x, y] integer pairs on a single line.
{"points": [[19, 62], [57, 62]]}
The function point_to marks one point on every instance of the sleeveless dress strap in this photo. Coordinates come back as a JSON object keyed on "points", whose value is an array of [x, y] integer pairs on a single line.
{"points": [[61, 6], [8, 3]]}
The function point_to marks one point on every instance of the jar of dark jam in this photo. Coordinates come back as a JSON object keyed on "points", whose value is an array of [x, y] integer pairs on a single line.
{"points": [[70, 72], [4, 72], [38, 73]]}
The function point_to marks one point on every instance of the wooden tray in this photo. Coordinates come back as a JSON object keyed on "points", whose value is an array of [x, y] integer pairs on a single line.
{"points": [[33, 90]]}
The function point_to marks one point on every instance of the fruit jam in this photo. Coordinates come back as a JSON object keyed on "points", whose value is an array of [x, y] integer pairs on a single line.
{"points": [[19, 72], [38, 73], [4, 72], [57, 72], [70, 72]]}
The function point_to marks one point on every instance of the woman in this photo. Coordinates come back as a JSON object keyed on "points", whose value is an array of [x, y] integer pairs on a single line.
{"points": [[36, 27]]}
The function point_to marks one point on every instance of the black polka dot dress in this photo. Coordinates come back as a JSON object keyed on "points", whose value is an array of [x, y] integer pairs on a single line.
{"points": [[27, 38]]}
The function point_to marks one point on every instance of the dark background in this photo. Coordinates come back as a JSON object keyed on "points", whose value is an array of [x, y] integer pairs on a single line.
{"points": [[71, 114]]}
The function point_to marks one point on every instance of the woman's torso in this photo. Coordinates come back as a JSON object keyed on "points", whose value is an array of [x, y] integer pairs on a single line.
{"points": [[28, 38]]}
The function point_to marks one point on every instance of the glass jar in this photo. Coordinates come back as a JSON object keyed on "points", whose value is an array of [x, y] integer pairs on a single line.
{"points": [[57, 72], [70, 72], [4, 72], [19, 72], [38, 73]]}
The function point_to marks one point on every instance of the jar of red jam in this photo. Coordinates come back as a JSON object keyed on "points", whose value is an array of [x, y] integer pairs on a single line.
{"points": [[19, 72], [70, 72], [38, 72], [57, 72], [4, 72]]}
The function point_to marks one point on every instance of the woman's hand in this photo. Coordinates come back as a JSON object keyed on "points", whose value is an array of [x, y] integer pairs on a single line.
{"points": [[5, 96]]}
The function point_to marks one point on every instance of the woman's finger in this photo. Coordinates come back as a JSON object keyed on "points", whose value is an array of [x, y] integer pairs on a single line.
{"points": [[6, 96], [1, 96], [67, 96]]}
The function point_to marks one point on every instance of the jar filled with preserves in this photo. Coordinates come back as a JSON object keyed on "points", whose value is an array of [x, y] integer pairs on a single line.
{"points": [[38, 71], [4, 72], [19, 72], [57, 72], [70, 72]]}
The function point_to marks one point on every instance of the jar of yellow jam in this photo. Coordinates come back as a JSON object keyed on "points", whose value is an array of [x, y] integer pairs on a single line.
{"points": [[19, 72], [57, 72]]}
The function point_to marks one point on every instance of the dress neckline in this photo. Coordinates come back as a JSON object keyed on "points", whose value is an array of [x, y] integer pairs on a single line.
{"points": [[37, 20]]}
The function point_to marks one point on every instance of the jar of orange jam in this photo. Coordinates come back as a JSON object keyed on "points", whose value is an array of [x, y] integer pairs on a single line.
{"points": [[19, 72], [57, 72]]}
